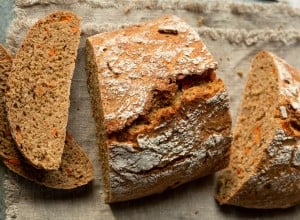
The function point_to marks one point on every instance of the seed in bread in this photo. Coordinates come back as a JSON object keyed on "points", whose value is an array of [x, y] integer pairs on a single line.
{"points": [[161, 113], [76, 169], [39, 88], [264, 169]]}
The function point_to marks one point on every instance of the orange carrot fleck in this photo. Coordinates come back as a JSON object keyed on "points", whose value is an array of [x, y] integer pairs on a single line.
{"points": [[14, 161], [51, 52], [66, 18], [254, 160], [239, 171], [68, 171], [256, 135], [75, 30], [247, 150], [54, 132], [10, 58]]}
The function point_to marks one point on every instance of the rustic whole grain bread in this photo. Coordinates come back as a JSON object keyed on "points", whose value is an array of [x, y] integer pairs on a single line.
{"points": [[161, 113], [39, 87], [264, 169], [6, 141], [75, 170]]}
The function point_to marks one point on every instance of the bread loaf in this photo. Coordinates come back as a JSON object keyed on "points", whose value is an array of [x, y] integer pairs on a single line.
{"points": [[264, 169], [161, 113], [75, 170], [39, 88]]}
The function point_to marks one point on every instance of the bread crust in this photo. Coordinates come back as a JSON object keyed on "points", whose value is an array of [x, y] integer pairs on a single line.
{"points": [[274, 182], [144, 71], [76, 169], [161, 114], [38, 92]]}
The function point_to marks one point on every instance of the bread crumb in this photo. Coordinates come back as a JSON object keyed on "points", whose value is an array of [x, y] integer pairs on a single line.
{"points": [[240, 73], [200, 21], [149, 5], [127, 9]]}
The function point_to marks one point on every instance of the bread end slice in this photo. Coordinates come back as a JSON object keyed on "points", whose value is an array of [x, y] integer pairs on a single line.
{"points": [[264, 168]]}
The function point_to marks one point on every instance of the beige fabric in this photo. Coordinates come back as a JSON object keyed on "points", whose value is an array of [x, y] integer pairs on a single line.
{"points": [[233, 32]]}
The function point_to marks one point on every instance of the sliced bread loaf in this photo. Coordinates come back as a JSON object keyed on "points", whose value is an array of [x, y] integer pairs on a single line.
{"points": [[161, 113], [39, 88], [75, 170], [264, 169]]}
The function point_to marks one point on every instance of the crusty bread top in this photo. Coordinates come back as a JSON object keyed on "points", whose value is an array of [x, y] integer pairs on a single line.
{"points": [[289, 114], [289, 81], [39, 88], [137, 60], [76, 168]]}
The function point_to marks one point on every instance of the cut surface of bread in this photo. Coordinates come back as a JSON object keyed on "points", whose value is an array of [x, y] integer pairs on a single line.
{"points": [[161, 113], [264, 168], [6, 141], [38, 92], [75, 170]]}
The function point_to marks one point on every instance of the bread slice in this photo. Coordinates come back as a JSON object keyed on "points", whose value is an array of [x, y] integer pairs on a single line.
{"points": [[264, 169], [6, 141], [39, 88], [75, 170], [161, 113]]}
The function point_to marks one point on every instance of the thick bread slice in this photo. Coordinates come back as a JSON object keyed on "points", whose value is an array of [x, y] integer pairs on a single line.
{"points": [[264, 169], [161, 114], [39, 88], [75, 170]]}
